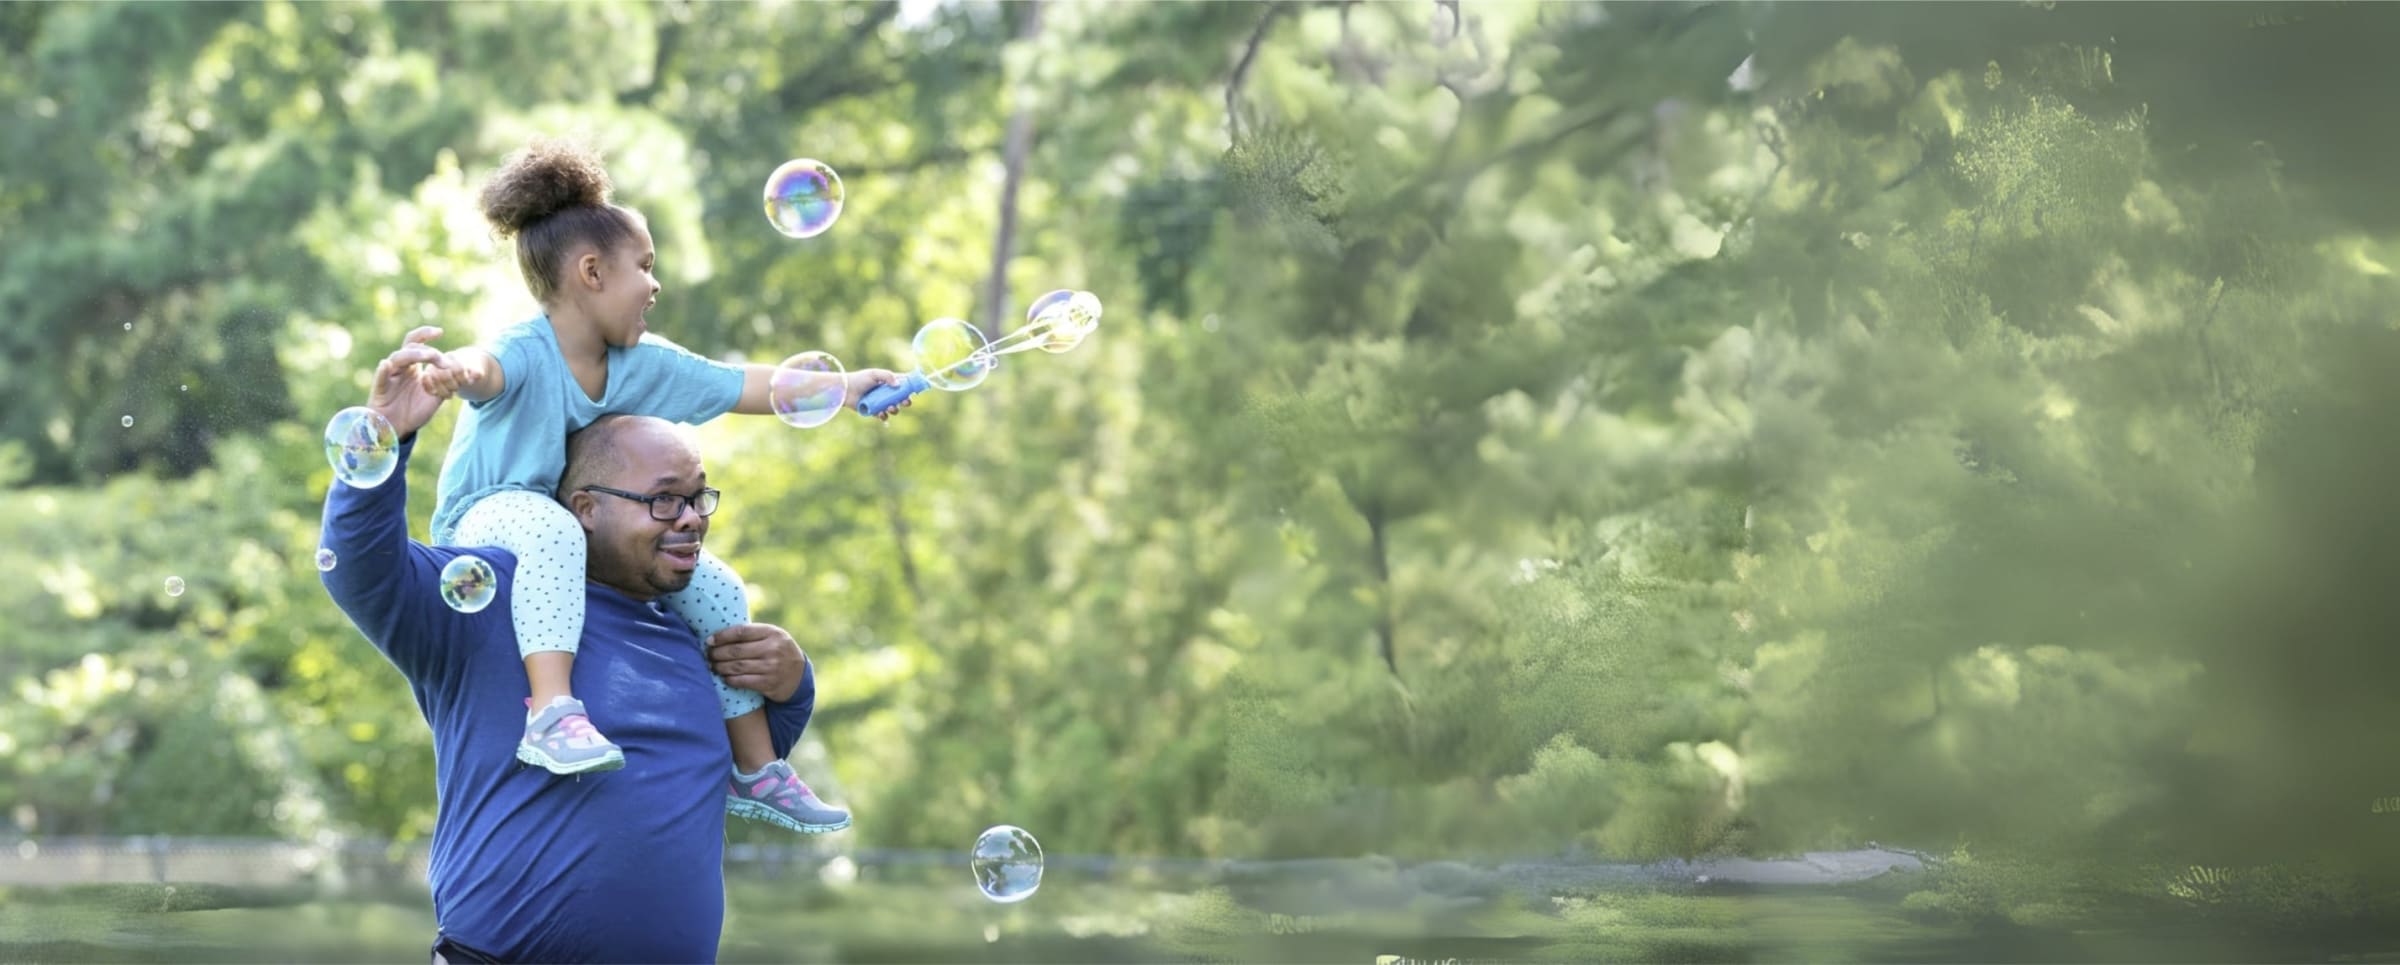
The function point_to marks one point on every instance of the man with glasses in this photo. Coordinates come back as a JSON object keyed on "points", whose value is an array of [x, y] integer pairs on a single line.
{"points": [[525, 866]]}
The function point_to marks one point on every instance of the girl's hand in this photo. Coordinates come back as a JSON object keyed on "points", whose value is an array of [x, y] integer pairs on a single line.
{"points": [[446, 374], [399, 393], [859, 383]]}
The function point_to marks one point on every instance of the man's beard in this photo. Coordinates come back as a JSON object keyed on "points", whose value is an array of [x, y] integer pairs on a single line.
{"points": [[670, 581]]}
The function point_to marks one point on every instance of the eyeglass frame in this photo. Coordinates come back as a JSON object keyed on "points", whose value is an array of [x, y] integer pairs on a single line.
{"points": [[715, 499]]}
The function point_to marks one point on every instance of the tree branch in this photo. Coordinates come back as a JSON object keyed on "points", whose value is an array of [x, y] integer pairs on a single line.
{"points": [[934, 158], [817, 87], [670, 36], [1241, 70]]}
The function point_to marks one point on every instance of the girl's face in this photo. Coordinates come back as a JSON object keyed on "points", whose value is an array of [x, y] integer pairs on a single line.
{"points": [[627, 289]]}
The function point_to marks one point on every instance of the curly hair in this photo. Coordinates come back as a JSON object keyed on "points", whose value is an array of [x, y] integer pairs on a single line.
{"points": [[552, 197]]}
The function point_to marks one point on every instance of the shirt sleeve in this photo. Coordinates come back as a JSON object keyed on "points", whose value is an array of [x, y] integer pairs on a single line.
{"points": [[670, 382], [387, 583], [519, 355], [788, 719]]}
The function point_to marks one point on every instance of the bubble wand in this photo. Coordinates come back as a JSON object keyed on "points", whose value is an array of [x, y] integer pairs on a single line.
{"points": [[953, 356]]}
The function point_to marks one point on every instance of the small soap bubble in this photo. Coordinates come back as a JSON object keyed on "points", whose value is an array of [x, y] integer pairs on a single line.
{"points": [[127, 422], [325, 559], [174, 586], [183, 388], [468, 584], [803, 198], [806, 390], [129, 326], [362, 446], [1007, 864]]}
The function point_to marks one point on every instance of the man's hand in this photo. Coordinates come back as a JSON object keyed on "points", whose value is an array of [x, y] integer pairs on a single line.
{"points": [[399, 396], [760, 657]]}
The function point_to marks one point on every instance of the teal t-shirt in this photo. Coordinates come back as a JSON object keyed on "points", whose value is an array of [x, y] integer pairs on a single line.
{"points": [[518, 439]]}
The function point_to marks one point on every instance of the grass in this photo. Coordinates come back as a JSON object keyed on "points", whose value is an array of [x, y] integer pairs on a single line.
{"points": [[933, 915]]}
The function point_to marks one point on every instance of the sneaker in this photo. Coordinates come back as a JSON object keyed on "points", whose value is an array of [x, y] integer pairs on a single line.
{"points": [[776, 796], [561, 740]]}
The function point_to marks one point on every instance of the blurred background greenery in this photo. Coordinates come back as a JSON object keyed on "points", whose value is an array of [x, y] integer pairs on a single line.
{"points": [[1612, 431]]}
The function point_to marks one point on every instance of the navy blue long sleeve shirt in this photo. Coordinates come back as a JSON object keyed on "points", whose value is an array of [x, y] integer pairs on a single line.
{"points": [[527, 865]]}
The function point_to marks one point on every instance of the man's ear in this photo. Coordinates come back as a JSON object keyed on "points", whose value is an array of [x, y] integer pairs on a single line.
{"points": [[586, 508]]}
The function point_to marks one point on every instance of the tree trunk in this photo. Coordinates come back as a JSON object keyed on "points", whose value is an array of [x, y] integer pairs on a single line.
{"points": [[1379, 555], [1013, 152]]}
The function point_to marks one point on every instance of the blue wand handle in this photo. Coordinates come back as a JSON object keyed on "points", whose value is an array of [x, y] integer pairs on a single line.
{"points": [[882, 398]]}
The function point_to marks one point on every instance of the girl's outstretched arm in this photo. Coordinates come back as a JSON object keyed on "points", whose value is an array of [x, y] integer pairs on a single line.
{"points": [[470, 373], [757, 378]]}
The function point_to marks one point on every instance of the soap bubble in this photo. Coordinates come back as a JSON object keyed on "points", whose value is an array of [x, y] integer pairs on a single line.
{"points": [[806, 390], [325, 559], [362, 446], [174, 586], [1076, 318], [804, 197], [127, 422], [1008, 864], [1034, 311], [952, 354], [468, 584]]}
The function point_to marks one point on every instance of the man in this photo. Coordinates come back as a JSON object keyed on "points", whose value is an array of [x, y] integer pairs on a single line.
{"points": [[528, 866]]}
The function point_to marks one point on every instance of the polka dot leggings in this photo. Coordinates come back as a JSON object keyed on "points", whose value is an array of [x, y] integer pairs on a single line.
{"points": [[546, 602], [712, 602]]}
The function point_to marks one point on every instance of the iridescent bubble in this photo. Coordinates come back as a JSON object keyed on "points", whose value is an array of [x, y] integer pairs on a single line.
{"points": [[1077, 317], [362, 446], [951, 354], [1033, 312], [325, 559], [1008, 864], [127, 422], [129, 326], [468, 584], [174, 586], [806, 390], [804, 197]]}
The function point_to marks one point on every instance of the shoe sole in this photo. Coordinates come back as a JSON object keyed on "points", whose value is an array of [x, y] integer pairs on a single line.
{"points": [[613, 760], [760, 812]]}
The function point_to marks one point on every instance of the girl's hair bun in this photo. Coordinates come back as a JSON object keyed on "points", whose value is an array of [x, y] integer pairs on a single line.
{"points": [[543, 179]]}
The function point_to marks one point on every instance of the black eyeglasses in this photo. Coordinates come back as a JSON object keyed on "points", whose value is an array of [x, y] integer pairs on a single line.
{"points": [[665, 507]]}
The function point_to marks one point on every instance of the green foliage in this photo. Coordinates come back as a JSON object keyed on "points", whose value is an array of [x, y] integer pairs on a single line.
{"points": [[1505, 437]]}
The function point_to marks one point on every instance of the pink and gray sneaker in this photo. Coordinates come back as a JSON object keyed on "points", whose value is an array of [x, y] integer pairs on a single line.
{"points": [[776, 795], [561, 740]]}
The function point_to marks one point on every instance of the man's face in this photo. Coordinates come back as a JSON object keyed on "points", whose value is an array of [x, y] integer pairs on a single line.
{"points": [[630, 550]]}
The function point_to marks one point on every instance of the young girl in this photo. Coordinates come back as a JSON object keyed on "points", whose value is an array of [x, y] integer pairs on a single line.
{"points": [[589, 262]]}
